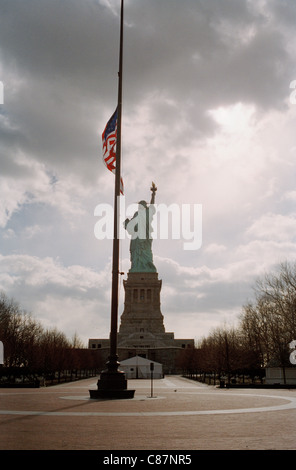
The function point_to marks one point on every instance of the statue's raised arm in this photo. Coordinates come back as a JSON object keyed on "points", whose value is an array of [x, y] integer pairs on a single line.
{"points": [[153, 189]]}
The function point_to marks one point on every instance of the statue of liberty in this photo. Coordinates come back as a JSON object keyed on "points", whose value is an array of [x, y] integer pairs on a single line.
{"points": [[140, 229]]}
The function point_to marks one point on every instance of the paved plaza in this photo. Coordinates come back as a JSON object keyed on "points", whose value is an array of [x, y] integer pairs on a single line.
{"points": [[180, 415]]}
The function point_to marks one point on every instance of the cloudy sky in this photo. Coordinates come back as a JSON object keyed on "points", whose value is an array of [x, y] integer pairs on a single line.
{"points": [[207, 115]]}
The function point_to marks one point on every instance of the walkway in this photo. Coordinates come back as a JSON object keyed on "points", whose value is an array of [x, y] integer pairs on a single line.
{"points": [[181, 414]]}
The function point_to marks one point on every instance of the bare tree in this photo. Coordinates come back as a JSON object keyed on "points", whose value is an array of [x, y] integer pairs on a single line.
{"points": [[270, 322]]}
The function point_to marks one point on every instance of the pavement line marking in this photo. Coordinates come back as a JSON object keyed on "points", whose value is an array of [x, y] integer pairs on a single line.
{"points": [[287, 406]]}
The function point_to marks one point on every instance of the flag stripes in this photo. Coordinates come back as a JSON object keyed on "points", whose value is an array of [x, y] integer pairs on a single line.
{"points": [[109, 140]]}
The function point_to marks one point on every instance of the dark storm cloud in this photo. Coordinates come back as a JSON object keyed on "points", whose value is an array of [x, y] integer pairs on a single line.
{"points": [[206, 53], [56, 56], [195, 52], [56, 40]]}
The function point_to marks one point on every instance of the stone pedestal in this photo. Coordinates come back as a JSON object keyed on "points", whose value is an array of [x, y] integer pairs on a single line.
{"points": [[142, 323], [142, 305]]}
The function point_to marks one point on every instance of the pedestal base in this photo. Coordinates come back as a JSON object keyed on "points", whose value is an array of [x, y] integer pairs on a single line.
{"points": [[111, 394], [112, 385]]}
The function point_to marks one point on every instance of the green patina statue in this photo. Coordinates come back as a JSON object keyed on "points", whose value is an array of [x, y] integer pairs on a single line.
{"points": [[139, 227]]}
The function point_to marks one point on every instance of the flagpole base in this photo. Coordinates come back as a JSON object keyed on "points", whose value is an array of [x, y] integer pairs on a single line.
{"points": [[112, 384], [111, 394]]}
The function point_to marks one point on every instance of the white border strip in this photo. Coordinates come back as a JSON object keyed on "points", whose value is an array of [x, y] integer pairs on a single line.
{"points": [[291, 405]]}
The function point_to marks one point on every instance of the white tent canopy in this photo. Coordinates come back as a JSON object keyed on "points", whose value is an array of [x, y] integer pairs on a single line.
{"points": [[138, 367]]}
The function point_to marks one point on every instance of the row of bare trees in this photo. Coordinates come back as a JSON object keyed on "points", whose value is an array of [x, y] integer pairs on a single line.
{"points": [[269, 323], [31, 350], [267, 326]]}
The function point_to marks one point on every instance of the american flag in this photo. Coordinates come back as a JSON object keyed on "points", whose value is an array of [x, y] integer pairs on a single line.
{"points": [[109, 138]]}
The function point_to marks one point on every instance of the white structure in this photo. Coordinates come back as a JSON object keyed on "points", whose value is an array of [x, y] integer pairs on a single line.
{"points": [[275, 375], [138, 367]]}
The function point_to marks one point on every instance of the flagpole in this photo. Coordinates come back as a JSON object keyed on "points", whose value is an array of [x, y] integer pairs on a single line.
{"points": [[112, 382], [115, 265]]}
